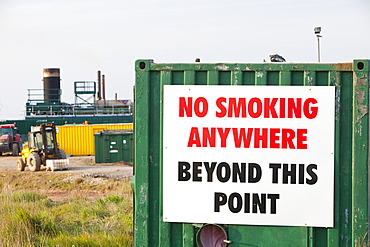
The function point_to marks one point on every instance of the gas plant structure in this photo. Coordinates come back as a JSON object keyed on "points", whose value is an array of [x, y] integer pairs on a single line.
{"points": [[90, 106]]}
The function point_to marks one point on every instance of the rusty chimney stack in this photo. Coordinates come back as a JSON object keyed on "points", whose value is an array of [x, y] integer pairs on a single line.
{"points": [[99, 85], [51, 78], [103, 86]]}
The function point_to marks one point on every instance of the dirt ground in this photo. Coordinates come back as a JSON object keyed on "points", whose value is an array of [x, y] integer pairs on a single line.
{"points": [[79, 165]]}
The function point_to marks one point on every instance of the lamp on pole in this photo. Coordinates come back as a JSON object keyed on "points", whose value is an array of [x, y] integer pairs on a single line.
{"points": [[317, 32]]}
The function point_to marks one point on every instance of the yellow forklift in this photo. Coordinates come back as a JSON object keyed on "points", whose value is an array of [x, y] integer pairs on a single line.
{"points": [[42, 149]]}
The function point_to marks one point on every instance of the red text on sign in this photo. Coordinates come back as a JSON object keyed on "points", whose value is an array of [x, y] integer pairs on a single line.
{"points": [[254, 107], [277, 138]]}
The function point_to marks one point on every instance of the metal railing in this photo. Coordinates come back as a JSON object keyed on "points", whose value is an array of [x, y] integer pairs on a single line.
{"points": [[79, 109], [44, 95]]}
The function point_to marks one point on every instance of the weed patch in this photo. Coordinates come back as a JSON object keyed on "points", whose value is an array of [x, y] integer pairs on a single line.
{"points": [[30, 218]]}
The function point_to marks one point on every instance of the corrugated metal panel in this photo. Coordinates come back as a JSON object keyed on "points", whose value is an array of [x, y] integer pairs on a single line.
{"points": [[351, 198], [79, 139]]}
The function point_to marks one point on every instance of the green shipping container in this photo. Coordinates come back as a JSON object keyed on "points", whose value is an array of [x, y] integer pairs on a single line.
{"points": [[350, 193], [113, 146]]}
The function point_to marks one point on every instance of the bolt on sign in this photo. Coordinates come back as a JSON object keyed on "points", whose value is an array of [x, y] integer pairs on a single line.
{"points": [[249, 155]]}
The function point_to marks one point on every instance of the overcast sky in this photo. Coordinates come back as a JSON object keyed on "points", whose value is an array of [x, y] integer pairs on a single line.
{"points": [[84, 36]]}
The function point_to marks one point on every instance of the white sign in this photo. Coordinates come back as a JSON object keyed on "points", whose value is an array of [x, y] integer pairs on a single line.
{"points": [[249, 155]]}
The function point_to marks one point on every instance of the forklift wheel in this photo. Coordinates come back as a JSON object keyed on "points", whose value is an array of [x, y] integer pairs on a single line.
{"points": [[20, 165], [34, 162]]}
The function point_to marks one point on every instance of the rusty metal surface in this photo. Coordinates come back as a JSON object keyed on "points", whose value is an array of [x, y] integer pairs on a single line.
{"points": [[51, 72]]}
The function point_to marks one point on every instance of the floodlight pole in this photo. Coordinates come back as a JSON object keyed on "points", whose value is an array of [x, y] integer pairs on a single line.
{"points": [[318, 47], [317, 31]]}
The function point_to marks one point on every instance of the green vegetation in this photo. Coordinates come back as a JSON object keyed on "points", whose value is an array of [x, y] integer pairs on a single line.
{"points": [[89, 211]]}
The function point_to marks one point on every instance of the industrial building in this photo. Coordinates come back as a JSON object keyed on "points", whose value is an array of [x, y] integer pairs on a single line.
{"points": [[90, 108]]}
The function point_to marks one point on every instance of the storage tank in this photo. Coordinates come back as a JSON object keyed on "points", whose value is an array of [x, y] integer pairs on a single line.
{"points": [[52, 90]]}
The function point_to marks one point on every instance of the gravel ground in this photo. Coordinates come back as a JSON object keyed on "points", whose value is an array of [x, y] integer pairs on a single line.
{"points": [[79, 165]]}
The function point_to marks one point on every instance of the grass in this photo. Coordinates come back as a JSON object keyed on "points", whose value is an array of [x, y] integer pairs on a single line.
{"points": [[30, 218]]}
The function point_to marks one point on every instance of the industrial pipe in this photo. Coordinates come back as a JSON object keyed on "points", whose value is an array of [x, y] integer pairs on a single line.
{"points": [[99, 85], [103, 86]]}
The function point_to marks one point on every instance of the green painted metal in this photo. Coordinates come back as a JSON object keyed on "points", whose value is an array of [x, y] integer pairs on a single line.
{"points": [[113, 146], [24, 125], [351, 196], [85, 87]]}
